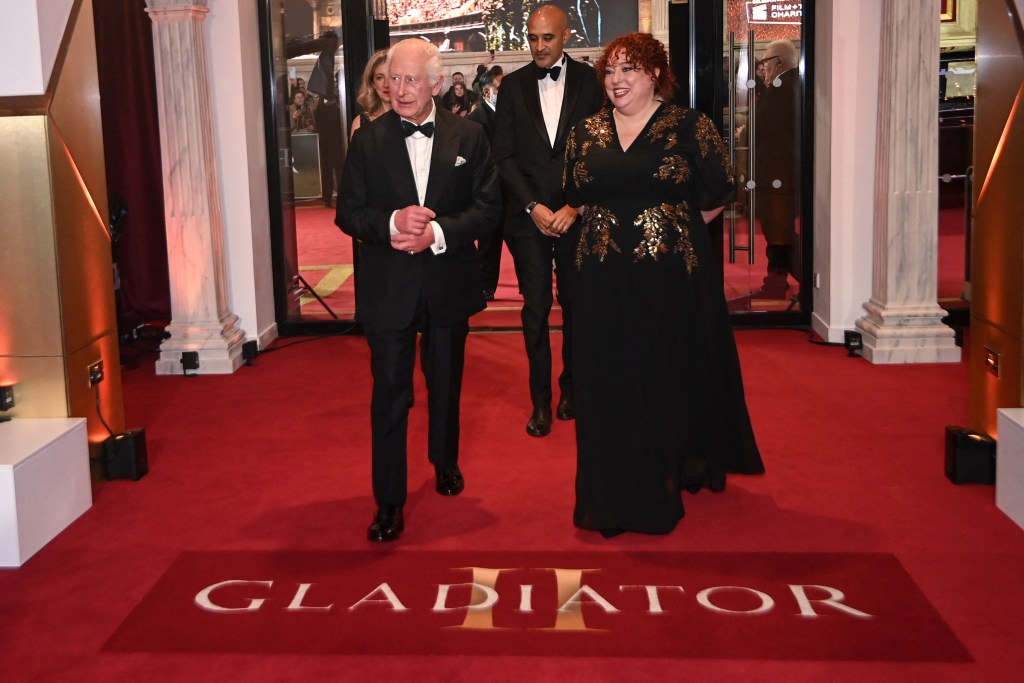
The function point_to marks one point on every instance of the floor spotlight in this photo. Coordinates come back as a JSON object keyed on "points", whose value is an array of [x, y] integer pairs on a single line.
{"points": [[189, 361], [250, 350], [970, 456], [125, 455], [853, 342]]}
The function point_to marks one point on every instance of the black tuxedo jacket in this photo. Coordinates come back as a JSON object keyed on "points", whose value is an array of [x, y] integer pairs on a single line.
{"points": [[462, 190], [529, 166], [483, 115], [778, 135]]}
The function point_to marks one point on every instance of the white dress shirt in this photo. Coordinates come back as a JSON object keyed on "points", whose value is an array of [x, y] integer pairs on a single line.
{"points": [[551, 94], [420, 148]]}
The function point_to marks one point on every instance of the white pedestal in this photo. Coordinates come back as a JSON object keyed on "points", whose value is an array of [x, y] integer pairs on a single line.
{"points": [[1010, 464], [44, 483]]}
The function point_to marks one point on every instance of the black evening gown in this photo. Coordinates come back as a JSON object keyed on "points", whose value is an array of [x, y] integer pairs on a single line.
{"points": [[659, 396]]}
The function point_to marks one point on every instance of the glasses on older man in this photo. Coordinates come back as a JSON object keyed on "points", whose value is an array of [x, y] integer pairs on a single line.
{"points": [[762, 63]]}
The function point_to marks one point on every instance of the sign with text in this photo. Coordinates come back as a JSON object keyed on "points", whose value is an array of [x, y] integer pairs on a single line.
{"points": [[781, 606], [774, 12]]}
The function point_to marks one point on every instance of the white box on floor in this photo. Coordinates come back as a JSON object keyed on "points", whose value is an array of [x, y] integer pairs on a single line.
{"points": [[44, 483], [1010, 464]]}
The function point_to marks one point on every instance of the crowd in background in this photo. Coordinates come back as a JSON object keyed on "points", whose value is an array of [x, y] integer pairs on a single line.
{"points": [[413, 11]]}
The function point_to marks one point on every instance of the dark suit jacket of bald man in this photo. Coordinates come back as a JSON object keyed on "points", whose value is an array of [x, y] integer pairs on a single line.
{"points": [[531, 167]]}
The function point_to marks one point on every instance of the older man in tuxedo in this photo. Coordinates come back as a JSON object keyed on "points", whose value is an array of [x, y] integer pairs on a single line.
{"points": [[419, 187], [537, 107], [778, 165]]}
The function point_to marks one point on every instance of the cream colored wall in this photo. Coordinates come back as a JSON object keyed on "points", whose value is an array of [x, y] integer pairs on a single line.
{"points": [[232, 33], [845, 102]]}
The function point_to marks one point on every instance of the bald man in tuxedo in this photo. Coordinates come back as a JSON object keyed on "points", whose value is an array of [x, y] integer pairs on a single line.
{"points": [[538, 105]]}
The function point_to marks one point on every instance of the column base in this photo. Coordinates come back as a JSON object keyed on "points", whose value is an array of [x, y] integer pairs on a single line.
{"points": [[907, 334], [219, 346]]}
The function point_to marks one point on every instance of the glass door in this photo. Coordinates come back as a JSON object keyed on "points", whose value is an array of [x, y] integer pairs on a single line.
{"points": [[745, 63], [313, 53], [763, 123]]}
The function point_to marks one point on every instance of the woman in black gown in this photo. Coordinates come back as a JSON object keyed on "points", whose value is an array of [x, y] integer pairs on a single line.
{"points": [[659, 397]]}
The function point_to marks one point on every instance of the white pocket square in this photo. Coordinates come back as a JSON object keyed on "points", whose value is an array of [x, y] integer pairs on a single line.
{"points": [[459, 161]]}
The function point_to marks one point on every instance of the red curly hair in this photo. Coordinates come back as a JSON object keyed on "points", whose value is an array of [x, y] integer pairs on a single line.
{"points": [[645, 53]]}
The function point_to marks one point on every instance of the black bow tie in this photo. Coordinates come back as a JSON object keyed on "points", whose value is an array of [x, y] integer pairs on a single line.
{"points": [[554, 71], [408, 127]]}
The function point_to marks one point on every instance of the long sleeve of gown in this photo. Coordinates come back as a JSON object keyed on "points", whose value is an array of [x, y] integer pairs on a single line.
{"points": [[716, 183]]}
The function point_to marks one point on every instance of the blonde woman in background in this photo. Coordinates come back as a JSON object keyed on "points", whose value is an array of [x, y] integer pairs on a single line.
{"points": [[374, 97]]}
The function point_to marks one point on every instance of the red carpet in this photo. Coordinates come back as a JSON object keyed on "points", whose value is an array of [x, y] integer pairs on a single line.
{"points": [[274, 461], [805, 606]]}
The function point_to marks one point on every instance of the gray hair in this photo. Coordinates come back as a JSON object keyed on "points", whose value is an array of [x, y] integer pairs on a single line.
{"points": [[785, 50], [428, 51]]}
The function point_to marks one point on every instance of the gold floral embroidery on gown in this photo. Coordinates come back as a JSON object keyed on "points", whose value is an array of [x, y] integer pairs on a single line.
{"points": [[599, 128], [673, 168], [707, 138], [655, 223], [666, 126], [596, 228]]}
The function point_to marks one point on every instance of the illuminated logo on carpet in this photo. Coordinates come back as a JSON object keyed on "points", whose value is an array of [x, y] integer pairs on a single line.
{"points": [[810, 606]]}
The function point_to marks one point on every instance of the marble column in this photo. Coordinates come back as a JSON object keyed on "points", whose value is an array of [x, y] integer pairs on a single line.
{"points": [[200, 319], [658, 19], [903, 324]]}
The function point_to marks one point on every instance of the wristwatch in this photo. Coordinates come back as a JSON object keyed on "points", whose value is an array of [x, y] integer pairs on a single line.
{"points": [[530, 207]]}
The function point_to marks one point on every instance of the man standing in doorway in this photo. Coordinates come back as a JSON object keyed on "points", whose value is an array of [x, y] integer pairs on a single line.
{"points": [[537, 107], [777, 144], [419, 187]]}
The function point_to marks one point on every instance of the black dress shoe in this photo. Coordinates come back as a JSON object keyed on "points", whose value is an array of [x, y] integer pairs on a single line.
{"points": [[612, 532], [449, 481], [566, 409], [775, 287], [540, 422], [387, 524]]}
